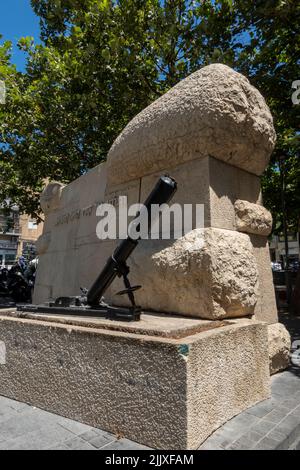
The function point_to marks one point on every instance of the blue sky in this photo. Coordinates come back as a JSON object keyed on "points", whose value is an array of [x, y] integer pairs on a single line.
{"points": [[16, 20]]}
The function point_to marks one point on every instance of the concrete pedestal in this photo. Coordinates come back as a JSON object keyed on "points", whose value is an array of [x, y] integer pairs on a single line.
{"points": [[167, 382]]}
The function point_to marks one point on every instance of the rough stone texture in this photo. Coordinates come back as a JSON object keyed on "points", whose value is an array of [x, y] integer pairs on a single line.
{"points": [[150, 324], [215, 269], [30, 428], [215, 111], [179, 389], [252, 218], [273, 424], [279, 341]]}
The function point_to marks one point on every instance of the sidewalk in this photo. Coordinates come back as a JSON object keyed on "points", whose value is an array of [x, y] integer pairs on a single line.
{"points": [[23, 427], [272, 424]]}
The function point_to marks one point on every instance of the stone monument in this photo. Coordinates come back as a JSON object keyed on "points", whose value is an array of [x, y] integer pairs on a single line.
{"points": [[201, 356]]}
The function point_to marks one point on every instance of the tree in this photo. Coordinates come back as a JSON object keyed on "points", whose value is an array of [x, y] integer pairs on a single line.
{"points": [[100, 64], [271, 59], [103, 61]]}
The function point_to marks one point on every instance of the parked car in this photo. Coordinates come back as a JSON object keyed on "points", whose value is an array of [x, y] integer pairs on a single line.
{"points": [[276, 266], [294, 265]]}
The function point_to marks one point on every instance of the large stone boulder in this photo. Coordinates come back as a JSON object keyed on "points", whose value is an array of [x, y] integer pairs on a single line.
{"points": [[208, 273], [252, 218], [215, 111], [279, 347]]}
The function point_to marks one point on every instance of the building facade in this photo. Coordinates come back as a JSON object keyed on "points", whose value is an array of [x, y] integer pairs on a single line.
{"points": [[277, 247], [18, 235]]}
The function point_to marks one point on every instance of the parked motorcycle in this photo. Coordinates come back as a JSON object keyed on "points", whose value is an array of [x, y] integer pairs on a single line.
{"points": [[3, 281], [16, 284]]}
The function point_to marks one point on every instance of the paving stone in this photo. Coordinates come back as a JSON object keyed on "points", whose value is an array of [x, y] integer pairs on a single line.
{"points": [[38, 439], [254, 436], [6, 415], [266, 444], [275, 416], [78, 444], [243, 421], [18, 406], [73, 426], [263, 426], [241, 444], [279, 398], [290, 421], [291, 403], [230, 433], [220, 440], [125, 444], [295, 446], [291, 433], [210, 446], [59, 447], [12, 427], [102, 440], [296, 412], [276, 435], [247, 441], [261, 409], [88, 435], [225, 436], [282, 389]]}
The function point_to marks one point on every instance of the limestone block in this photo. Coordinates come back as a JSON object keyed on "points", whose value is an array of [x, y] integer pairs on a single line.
{"points": [[214, 184], [208, 273], [192, 186], [43, 243], [215, 111], [227, 184], [252, 218], [164, 392], [50, 197], [265, 308], [279, 347]]}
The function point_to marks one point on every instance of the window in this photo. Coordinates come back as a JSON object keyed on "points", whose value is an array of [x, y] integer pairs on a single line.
{"points": [[32, 225]]}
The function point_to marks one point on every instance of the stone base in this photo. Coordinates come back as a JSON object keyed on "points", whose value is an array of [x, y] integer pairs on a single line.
{"points": [[166, 382], [279, 347]]}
